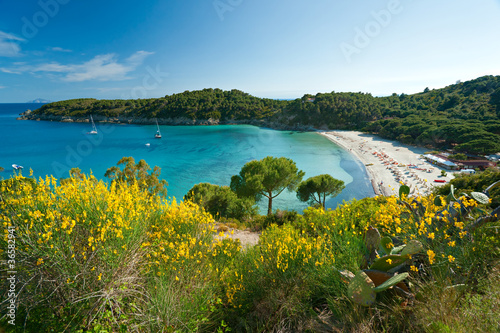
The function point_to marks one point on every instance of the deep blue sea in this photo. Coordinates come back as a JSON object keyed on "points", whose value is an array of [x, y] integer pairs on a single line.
{"points": [[187, 155]]}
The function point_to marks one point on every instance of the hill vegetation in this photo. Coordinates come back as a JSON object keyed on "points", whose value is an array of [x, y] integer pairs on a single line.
{"points": [[87, 256], [463, 116], [201, 104]]}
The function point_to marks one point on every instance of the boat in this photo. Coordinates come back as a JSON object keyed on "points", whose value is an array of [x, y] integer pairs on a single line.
{"points": [[158, 133], [17, 167], [440, 180], [94, 129]]}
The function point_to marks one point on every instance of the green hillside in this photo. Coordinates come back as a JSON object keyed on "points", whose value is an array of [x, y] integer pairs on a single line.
{"points": [[463, 116], [201, 104]]}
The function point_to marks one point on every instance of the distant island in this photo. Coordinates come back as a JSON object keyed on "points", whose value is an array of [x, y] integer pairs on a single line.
{"points": [[39, 100], [463, 116]]}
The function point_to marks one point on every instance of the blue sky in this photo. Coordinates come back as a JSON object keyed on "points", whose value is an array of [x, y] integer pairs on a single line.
{"points": [[62, 49]]}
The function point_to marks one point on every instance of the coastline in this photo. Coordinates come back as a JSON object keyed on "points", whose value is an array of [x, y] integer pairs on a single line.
{"points": [[389, 163], [179, 121]]}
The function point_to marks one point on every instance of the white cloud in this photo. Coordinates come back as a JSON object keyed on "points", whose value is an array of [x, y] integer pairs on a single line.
{"points": [[3, 87], [9, 45], [60, 49], [105, 67], [10, 71], [137, 58]]}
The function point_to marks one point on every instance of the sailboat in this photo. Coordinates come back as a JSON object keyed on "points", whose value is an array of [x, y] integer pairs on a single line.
{"points": [[158, 133], [94, 129]]}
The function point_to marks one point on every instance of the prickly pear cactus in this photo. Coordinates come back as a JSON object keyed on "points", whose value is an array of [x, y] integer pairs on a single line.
{"points": [[361, 289], [372, 242], [386, 263], [404, 190], [387, 245], [437, 201], [451, 196], [391, 282], [480, 197], [413, 247]]}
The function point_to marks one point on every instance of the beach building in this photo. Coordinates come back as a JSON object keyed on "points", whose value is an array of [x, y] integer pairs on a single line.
{"points": [[441, 161], [452, 164], [475, 164]]}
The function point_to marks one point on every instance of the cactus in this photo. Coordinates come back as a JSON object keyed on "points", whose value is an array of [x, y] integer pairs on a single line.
{"points": [[394, 280], [362, 289], [394, 256], [480, 197], [388, 262], [413, 247], [404, 190], [386, 244], [437, 201]]}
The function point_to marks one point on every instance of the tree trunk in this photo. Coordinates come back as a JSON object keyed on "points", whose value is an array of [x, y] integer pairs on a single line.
{"points": [[270, 205]]}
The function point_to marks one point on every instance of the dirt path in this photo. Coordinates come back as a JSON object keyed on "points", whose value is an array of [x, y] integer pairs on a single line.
{"points": [[247, 238]]}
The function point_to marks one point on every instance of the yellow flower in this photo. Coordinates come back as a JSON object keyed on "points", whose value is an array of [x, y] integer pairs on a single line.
{"points": [[413, 268], [389, 261], [99, 277], [39, 261], [451, 258], [431, 255], [431, 235], [451, 243], [176, 278]]}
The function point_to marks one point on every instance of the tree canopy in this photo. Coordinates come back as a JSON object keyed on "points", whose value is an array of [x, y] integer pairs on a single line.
{"points": [[138, 173], [316, 189], [268, 178], [220, 201]]}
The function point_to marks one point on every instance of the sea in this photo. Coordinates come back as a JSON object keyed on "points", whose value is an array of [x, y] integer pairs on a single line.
{"points": [[187, 155]]}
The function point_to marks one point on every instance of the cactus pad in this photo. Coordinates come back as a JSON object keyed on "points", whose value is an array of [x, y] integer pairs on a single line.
{"points": [[391, 282], [413, 247], [386, 263], [480, 197], [360, 289]]}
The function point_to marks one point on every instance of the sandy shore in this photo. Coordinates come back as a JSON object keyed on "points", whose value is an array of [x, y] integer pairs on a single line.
{"points": [[389, 162]]}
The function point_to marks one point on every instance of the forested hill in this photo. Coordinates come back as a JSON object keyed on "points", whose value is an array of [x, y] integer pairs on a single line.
{"points": [[463, 115], [202, 104]]}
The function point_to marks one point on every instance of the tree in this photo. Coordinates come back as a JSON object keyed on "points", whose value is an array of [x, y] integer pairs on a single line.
{"points": [[74, 173], [138, 173], [479, 146], [316, 189], [221, 201], [268, 178]]}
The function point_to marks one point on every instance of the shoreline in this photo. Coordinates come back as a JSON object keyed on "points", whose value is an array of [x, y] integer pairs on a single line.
{"points": [[389, 163], [176, 121]]}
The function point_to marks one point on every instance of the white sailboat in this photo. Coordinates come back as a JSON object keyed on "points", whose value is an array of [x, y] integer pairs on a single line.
{"points": [[158, 133], [94, 129]]}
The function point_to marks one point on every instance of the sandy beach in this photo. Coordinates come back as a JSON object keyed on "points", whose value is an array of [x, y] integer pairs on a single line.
{"points": [[389, 163]]}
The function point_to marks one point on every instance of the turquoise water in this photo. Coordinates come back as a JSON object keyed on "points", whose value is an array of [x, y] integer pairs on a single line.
{"points": [[187, 155]]}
